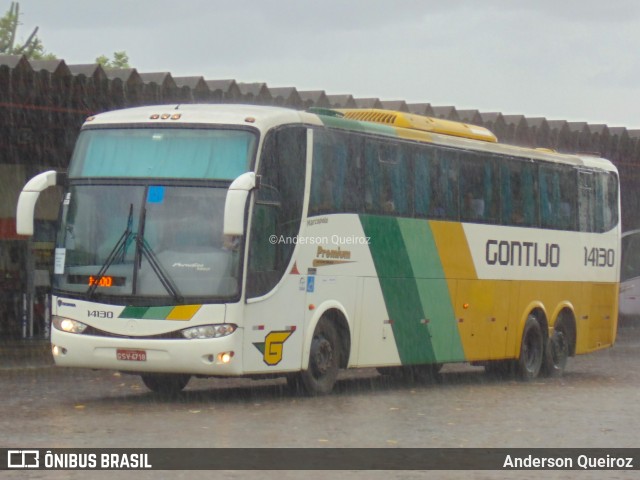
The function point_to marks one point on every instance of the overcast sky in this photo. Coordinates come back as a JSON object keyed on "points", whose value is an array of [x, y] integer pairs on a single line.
{"points": [[575, 60]]}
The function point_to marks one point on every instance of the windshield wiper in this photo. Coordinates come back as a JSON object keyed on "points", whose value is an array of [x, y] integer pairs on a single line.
{"points": [[165, 279], [120, 247]]}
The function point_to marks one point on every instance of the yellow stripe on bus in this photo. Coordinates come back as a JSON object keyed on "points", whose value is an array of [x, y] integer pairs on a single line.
{"points": [[183, 312]]}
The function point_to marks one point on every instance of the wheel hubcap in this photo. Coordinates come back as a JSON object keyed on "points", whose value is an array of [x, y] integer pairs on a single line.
{"points": [[322, 356]]}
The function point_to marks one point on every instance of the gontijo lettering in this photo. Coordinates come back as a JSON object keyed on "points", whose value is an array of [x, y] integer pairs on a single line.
{"points": [[522, 254]]}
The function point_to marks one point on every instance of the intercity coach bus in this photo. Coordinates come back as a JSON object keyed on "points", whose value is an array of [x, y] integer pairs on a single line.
{"points": [[236, 240]]}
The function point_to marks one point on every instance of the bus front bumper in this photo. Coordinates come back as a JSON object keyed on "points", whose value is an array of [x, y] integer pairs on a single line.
{"points": [[217, 356]]}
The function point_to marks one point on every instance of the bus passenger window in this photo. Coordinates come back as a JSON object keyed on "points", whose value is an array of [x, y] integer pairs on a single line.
{"points": [[558, 196], [421, 183], [385, 178], [443, 178], [478, 194], [519, 193], [606, 199], [330, 178]]}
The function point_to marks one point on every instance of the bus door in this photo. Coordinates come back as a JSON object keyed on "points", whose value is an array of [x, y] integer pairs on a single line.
{"points": [[274, 312]]}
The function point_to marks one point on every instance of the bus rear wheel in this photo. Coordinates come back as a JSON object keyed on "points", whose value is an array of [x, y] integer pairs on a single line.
{"points": [[531, 350], [324, 361], [556, 353], [165, 384]]}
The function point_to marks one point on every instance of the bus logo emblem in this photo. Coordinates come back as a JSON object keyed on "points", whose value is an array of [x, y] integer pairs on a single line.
{"points": [[273, 346]]}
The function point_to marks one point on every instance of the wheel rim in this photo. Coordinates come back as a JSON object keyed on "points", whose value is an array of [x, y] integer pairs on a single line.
{"points": [[532, 352], [559, 349], [322, 356]]}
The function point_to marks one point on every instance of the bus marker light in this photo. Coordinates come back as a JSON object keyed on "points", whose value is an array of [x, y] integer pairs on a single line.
{"points": [[225, 357], [465, 305], [312, 306], [250, 120], [258, 327], [58, 351], [155, 116], [176, 116], [164, 116]]}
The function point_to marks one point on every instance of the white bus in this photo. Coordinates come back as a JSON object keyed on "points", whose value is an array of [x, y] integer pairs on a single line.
{"points": [[229, 240], [629, 307]]}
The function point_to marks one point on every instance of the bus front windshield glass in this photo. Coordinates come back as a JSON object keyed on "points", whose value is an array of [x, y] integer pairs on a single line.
{"points": [[162, 242], [212, 154]]}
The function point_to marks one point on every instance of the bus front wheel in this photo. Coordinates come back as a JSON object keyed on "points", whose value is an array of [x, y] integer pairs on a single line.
{"points": [[324, 361], [531, 350], [165, 384]]}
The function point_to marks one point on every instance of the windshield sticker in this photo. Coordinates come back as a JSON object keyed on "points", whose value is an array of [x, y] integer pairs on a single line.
{"points": [[156, 194], [59, 259]]}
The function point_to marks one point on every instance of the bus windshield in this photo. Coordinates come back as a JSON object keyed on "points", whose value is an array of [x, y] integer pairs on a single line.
{"points": [[148, 241], [221, 154]]}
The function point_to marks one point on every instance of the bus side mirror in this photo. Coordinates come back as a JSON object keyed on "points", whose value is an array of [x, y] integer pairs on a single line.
{"points": [[236, 203], [29, 196]]}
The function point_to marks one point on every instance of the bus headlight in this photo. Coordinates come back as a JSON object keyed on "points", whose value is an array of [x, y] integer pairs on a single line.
{"points": [[209, 331], [68, 325]]}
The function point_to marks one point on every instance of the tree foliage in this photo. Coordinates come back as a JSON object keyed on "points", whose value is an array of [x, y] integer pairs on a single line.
{"points": [[120, 60], [32, 48]]}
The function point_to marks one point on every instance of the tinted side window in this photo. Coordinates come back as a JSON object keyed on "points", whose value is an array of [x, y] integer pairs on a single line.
{"points": [[558, 194], [443, 182], [336, 172], [385, 178], [630, 264], [277, 207], [423, 158], [519, 192], [606, 200], [479, 193]]}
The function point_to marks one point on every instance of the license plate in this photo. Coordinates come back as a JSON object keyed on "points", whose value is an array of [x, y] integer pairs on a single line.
{"points": [[131, 355]]}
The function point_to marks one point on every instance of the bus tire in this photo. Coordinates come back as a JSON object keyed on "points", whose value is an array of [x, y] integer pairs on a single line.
{"points": [[531, 350], [556, 353], [324, 360], [164, 383]]}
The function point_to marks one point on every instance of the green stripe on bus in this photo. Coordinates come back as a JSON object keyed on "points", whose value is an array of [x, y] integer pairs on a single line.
{"points": [[133, 312], [147, 313], [354, 125], [399, 289], [157, 313], [433, 289]]}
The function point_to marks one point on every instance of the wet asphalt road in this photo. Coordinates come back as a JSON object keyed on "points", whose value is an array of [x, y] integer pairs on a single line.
{"points": [[595, 404]]}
